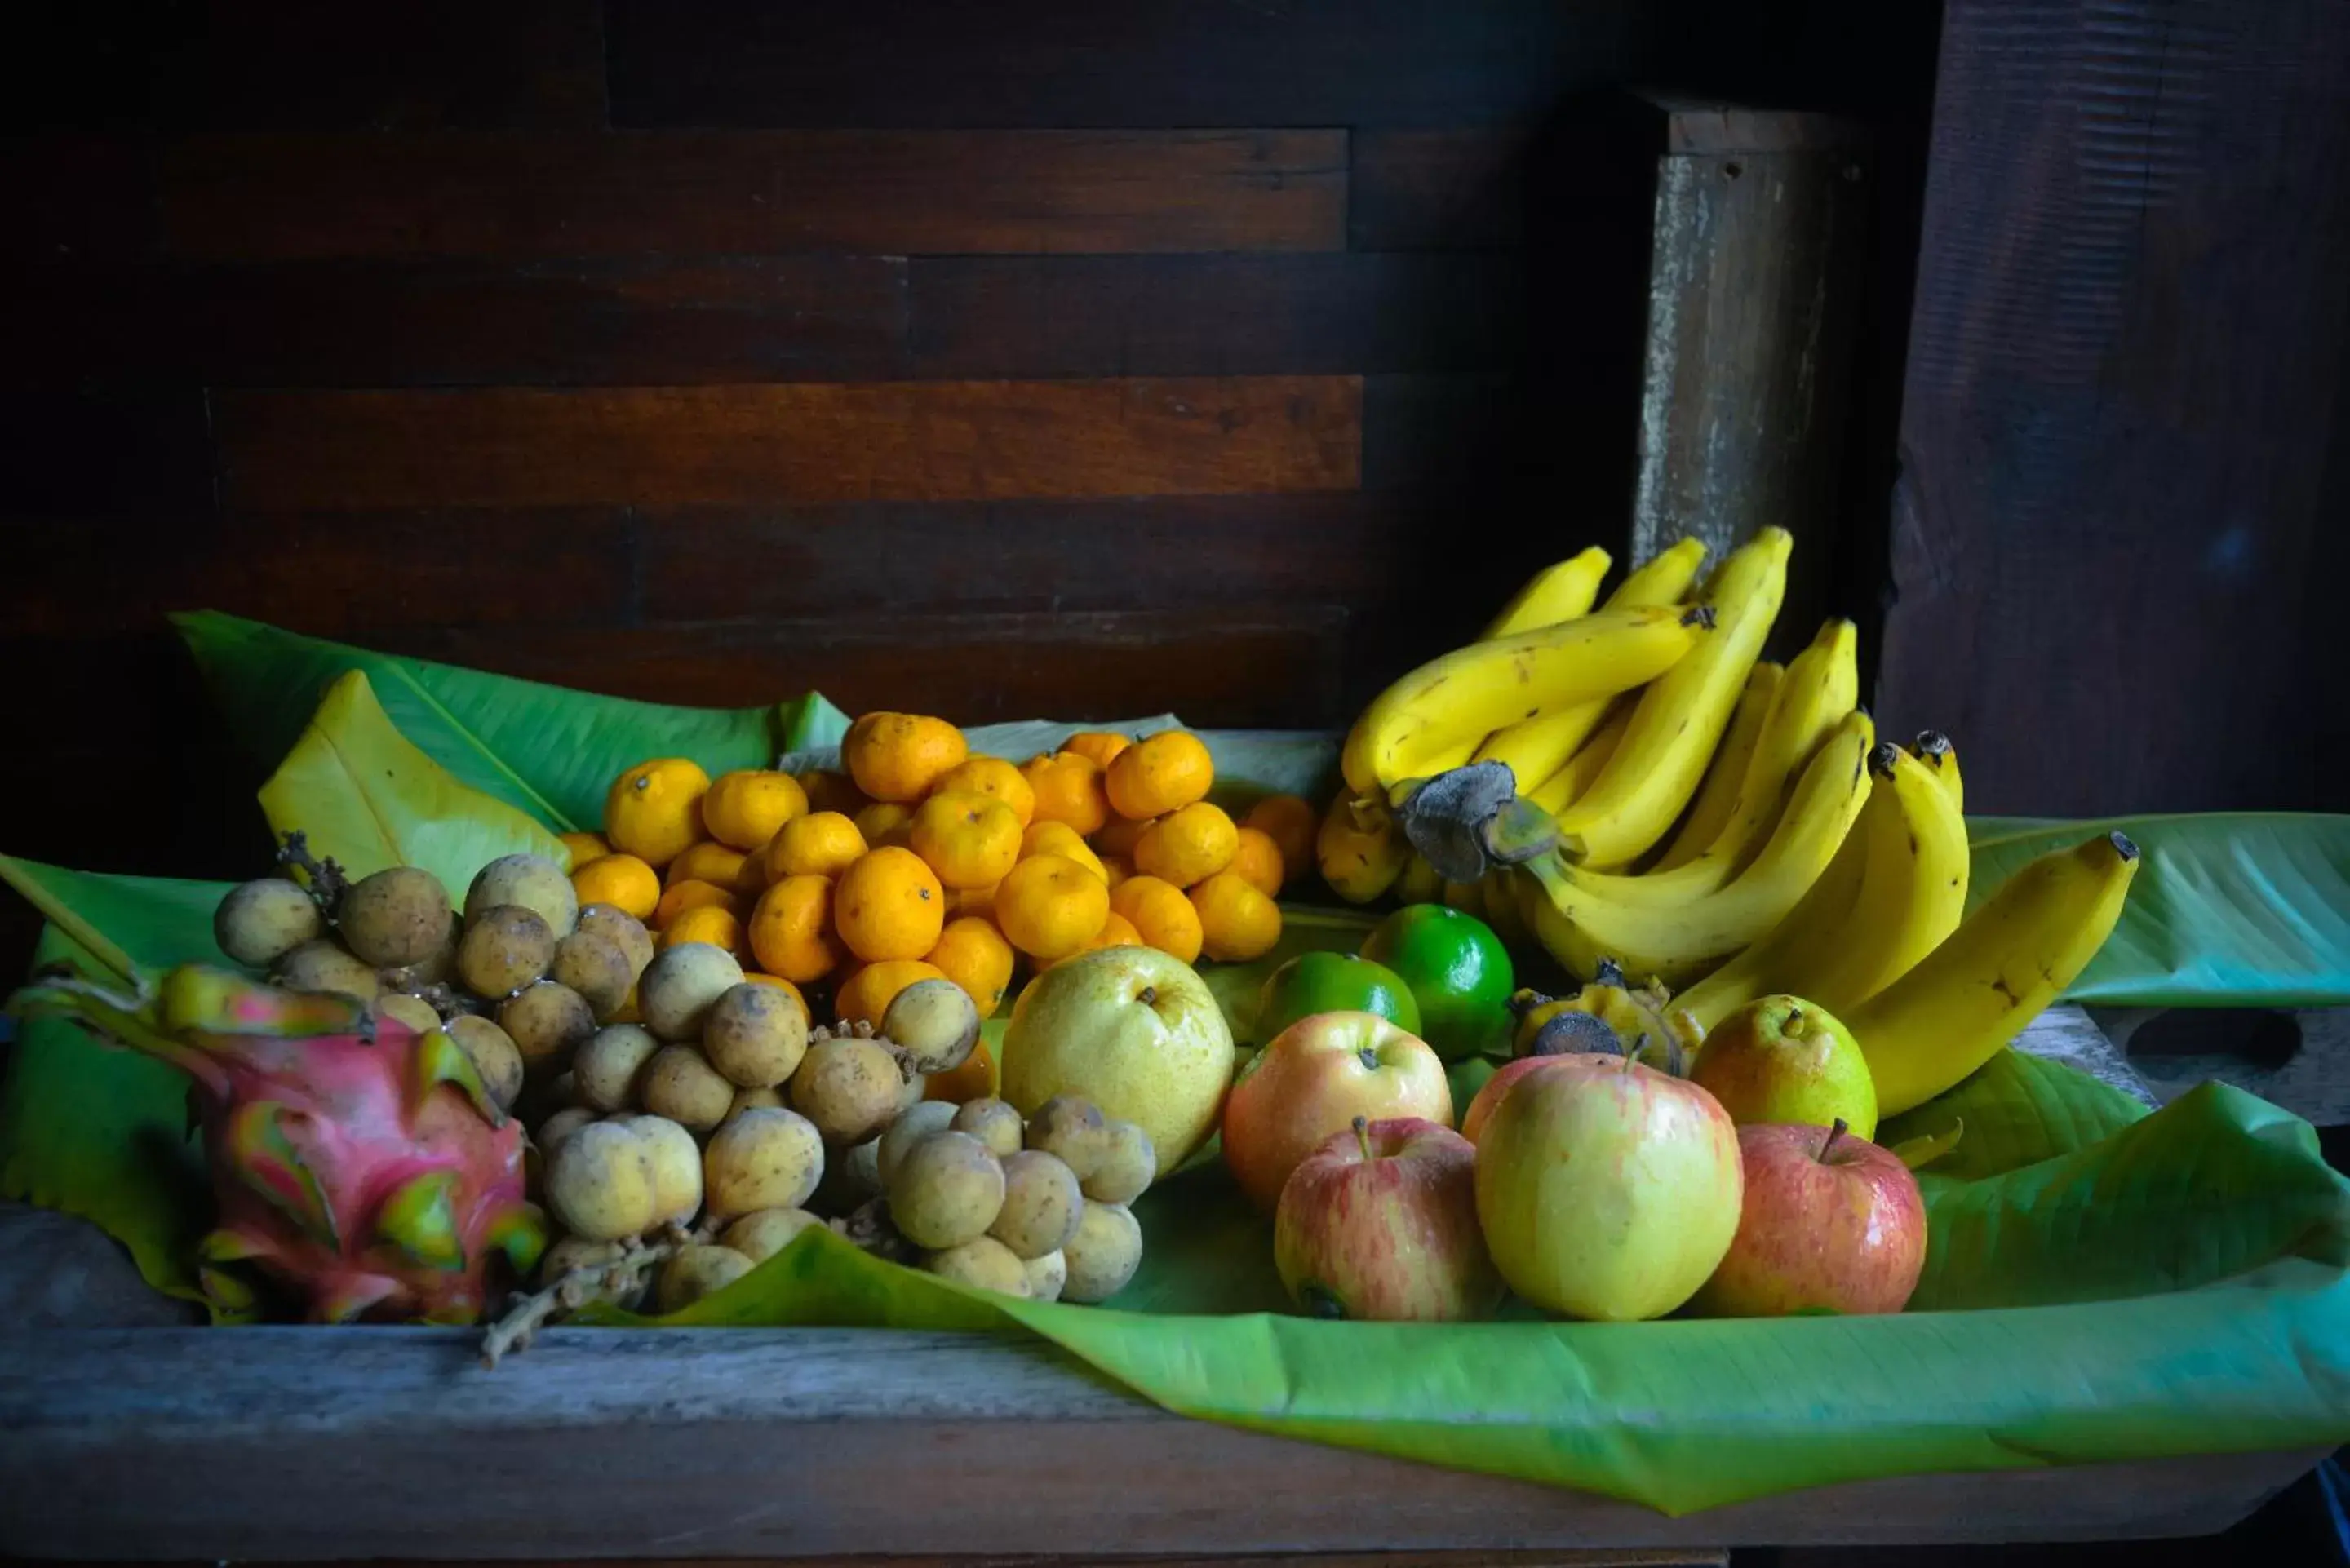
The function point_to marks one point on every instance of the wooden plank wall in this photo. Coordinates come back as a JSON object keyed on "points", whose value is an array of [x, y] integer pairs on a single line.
{"points": [[1057, 358]]}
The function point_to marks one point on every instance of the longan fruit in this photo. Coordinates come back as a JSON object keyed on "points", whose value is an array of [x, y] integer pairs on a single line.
{"points": [[755, 1034], [620, 929], [493, 1054], [1046, 1275], [695, 1272], [561, 1125], [765, 1233], [438, 967], [576, 1252], [546, 1022], [850, 1088], [761, 1160], [600, 1183], [1104, 1253], [1041, 1204], [677, 1166], [503, 949], [322, 964], [678, 1084], [676, 992], [755, 1099], [397, 916], [609, 1062], [595, 968], [1128, 1163], [533, 881], [1072, 1128], [413, 1010], [992, 1123], [947, 1190], [912, 1126], [936, 1020], [983, 1261], [260, 921]]}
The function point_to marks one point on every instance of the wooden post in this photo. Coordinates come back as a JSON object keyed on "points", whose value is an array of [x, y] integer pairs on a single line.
{"points": [[1760, 244]]}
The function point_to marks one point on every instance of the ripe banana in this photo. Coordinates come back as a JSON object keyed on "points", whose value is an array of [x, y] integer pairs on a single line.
{"points": [[1557, 593], [1471, 692], [1682, 716], [1556, 792], [1360, 847], [1933, 748], [1631, 1015], [1992, 975], [1536, 748], [1420, 883], [1678, 944], [1718, 798], [1903, 874], [1822, 685]]}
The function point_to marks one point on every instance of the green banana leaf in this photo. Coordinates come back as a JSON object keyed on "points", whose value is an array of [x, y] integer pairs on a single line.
{"points": [[545, 750], [2210, 1238], [2019, 1109], [360, 792]]}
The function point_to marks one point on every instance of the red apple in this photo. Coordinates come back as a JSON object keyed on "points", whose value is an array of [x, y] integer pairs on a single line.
{"points": [[1312, 1080], [1831, 1222], [1380, 1222], [1607, 1189]]}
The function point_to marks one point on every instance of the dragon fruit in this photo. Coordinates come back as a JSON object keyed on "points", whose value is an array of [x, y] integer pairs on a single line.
{"points": [[358, 1165]]}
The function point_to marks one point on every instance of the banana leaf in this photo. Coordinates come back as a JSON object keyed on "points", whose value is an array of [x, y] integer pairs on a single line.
{"points": [[360, 792], [2018, 1109]]}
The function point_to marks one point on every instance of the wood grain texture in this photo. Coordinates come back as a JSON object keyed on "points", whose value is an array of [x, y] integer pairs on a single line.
{"points": [[457, 322], [1143, 63], [2126, 391], [525, 195], [309, 1442], [754, 444], [1278, 665]]}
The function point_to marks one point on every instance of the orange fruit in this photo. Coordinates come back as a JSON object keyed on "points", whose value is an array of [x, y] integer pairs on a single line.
{"points": [[753, 977], [866, 995], [900, 756], [961, 901], [791, 929], [973, 954], [681, 896], [1256, 858], [584, 847], [1160, 914], [716, 924], [1049, 906], [623, 882], [1115, 868], [1060, 839], [890, 906], [821, 844], [1068, 789], [1160, 773], [829, 791], [1116, 931], [992, 775], [1237, 922], [711, 862], [654, 810], [1101, 746], [969, 839], [978, 1078], [1292, 823], [1188, 845], [884, 822], [1120, 835], [744, 808]]}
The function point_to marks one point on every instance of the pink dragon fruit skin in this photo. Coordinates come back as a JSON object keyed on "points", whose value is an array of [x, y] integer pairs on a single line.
{"points": [[358, 1163]]}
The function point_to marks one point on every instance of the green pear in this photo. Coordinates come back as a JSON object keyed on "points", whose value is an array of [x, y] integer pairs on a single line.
{"points": [[1780, 1059]]}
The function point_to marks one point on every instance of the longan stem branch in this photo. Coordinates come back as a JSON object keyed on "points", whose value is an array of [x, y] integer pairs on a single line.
{"points": [[616, 1282], [327, 882]]}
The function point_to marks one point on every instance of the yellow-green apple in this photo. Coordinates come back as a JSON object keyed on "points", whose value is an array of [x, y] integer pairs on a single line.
{"points": [[1606, 1188], [1831, 1223], [1312, 1080], [1780, 1059], [1380, 1222], [1497, 1087]]}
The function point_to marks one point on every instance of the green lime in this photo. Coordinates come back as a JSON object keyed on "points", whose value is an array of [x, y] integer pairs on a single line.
{"points": [[1332, 983], [1458, 971]]}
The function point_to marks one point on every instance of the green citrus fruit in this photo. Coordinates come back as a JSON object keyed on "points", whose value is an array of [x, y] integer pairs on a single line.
{"points": [[1333, 983], [1458, 971]]}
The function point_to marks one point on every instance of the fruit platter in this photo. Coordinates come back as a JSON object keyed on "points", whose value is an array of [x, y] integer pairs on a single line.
{"points": [[1610, 1094]]}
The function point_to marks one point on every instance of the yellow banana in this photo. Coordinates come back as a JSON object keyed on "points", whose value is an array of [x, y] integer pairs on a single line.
{"points": [[1822, 685], [1420, 883], [1469, 897], [1557, 593], [1556, 792], [1497, 905], [1718, 798], [1681, 715], [1992, 975], [1630, 1014], [1933, 748], [1536, 748], [1360, 847], [1909, 848], [1469, 693], [1678, 944]]}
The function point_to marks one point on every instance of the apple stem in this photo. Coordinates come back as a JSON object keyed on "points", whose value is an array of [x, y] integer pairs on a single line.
{"points": [[1796, 1023], [1363, 1135], [1834, 1133]]}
